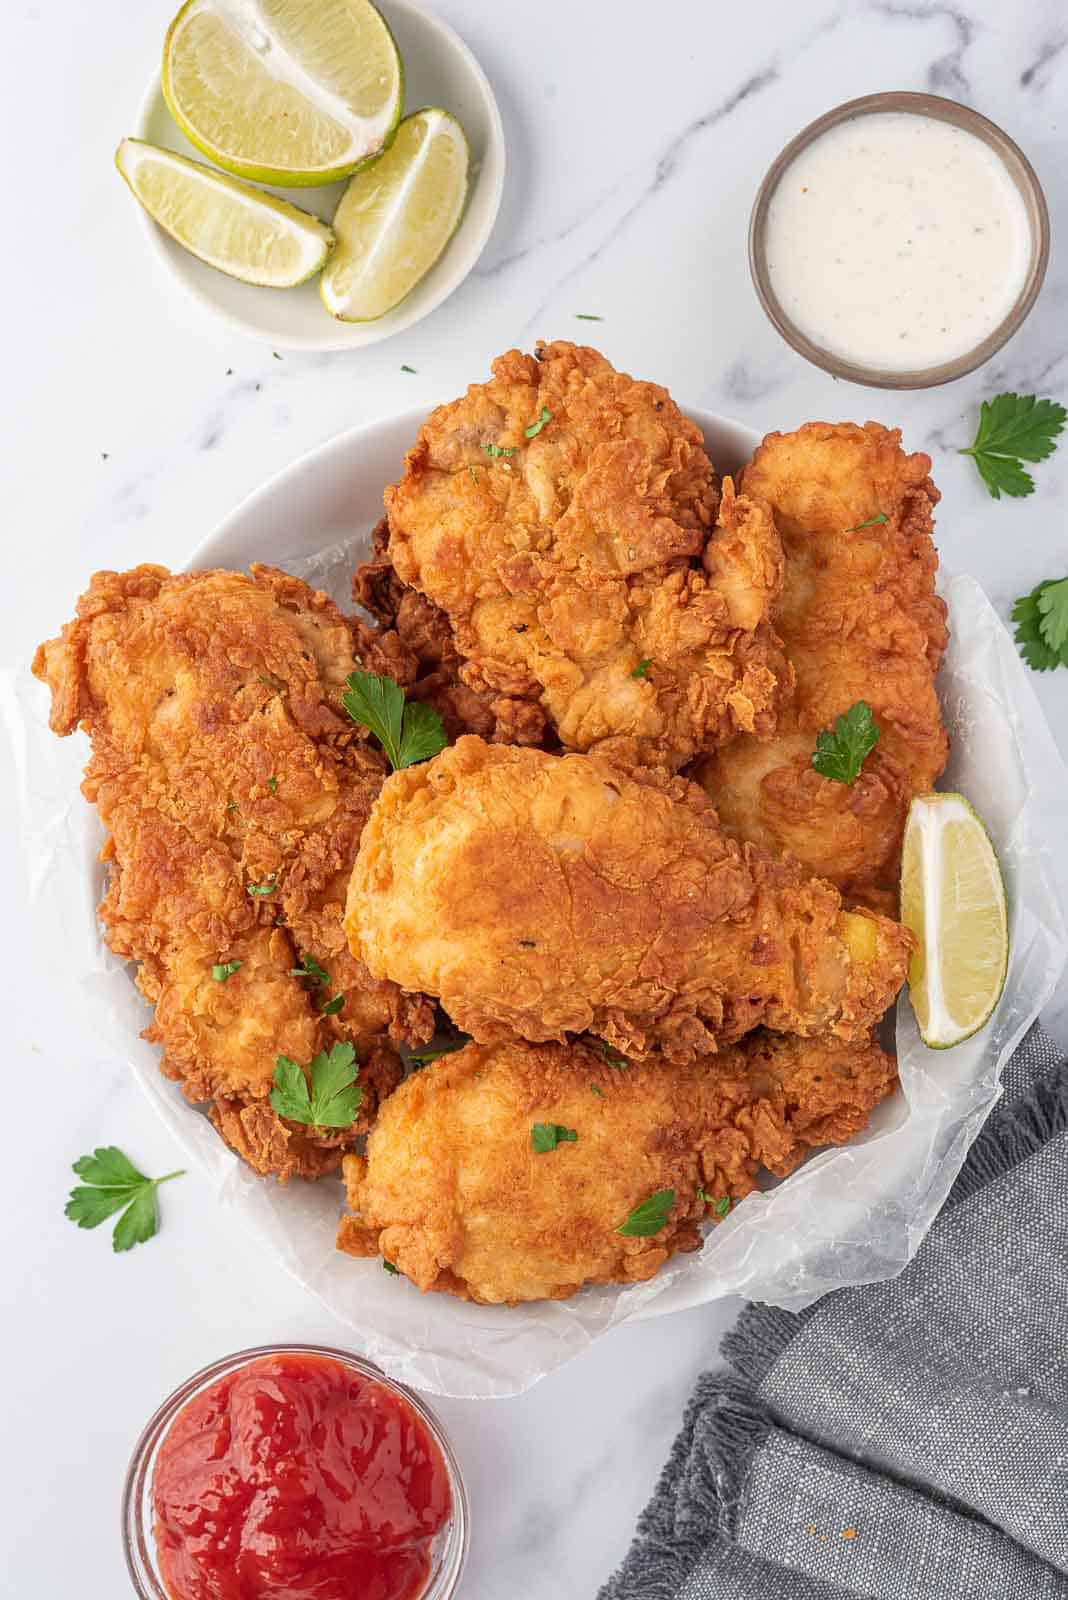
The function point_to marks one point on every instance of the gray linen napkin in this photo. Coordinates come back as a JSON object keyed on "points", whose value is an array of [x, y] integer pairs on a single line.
{"points": [[904, 1440]]}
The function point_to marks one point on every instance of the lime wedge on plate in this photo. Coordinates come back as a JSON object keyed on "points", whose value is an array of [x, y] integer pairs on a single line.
{"points": [[953, 899], [396, 217], [230, 225], [284, 91]]}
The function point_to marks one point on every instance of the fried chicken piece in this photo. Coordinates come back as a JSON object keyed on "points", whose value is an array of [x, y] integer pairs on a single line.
{"points": [[860, 620], [563, 516], [426, 661], [818, 1091], [234, 788], [544, 895], [453, 1194]]}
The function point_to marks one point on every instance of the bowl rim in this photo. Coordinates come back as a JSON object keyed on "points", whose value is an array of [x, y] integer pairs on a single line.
{"points": [[137, 1538], [338, 335], [205, 553], [1020, 171]]}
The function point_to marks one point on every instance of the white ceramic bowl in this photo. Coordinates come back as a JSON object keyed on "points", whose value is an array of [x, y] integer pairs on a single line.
{"points": [[334, 493], [849, 1215], [439, 70]]}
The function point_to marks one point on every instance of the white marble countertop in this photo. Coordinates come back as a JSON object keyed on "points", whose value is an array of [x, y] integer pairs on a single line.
{"points": [[133, 423]]}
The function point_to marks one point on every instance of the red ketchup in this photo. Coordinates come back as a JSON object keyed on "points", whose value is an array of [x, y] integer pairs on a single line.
{"points": [[296, 1478]]}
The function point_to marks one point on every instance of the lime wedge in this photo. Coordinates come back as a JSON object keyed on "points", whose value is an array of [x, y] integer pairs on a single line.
{"points": [[396, 217], [230, 225], [953, 899], [284, 91]]}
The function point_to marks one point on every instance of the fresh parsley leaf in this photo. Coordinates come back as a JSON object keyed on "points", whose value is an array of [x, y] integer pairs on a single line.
{"points": [[1014, 428], [702, 1194], [406, 368], [113, 1183], [310, 968], [880, 516], [841, 754], [232, 805], [420, 1058], [1004, 476], [722, 1206], [598, 1091], [289, 1096], [388, 1265], [1033, 627], [277, 357], [1019, 425], [225, 969], [90, 1207], [587, 316], [377, 703], [611, 1057], [423, 736], [330, 1008], [261, 888], [545, 1136], [536, 427], [500, 449], [335, 1095], [140, 1220], [408, 731], [1053, 604], [650, 1216], [1029, 637], [642, 669], [272, 784], [108, 1168]]}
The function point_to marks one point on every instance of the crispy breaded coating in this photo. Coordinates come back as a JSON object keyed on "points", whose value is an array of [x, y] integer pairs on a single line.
{"points": [[860, 620], [566, 519], [544, 895], [234, 788], [426, 661], [453, 1194]]}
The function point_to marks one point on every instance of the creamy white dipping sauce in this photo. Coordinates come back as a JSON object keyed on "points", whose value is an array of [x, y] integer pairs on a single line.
{"points": [[897, 241]]}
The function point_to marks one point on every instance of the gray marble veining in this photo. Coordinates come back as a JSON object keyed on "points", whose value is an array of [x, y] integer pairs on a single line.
{"points": [[133, 423]]}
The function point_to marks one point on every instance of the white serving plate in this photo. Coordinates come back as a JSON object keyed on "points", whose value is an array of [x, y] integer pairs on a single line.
{"points": [[334, 494], [439, 70], [850, 1215]]}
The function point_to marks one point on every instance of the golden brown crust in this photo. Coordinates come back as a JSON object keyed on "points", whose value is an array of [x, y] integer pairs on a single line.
{"points": [[577, 554], [452, 1193], [770, 794], [860, 620], [418, 636], [543, 895], [222, 758], [592, 584]]}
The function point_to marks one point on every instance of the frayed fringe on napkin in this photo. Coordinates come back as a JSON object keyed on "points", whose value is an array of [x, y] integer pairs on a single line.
{"points": [[1013, 1132], [702, 1487]]}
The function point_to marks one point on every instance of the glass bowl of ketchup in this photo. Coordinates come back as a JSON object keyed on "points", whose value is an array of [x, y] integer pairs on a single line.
{"points": [[294, 1470]]}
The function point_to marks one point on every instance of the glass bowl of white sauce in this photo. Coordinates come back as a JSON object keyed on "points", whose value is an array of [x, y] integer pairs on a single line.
{"points": [[899, 240]]}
